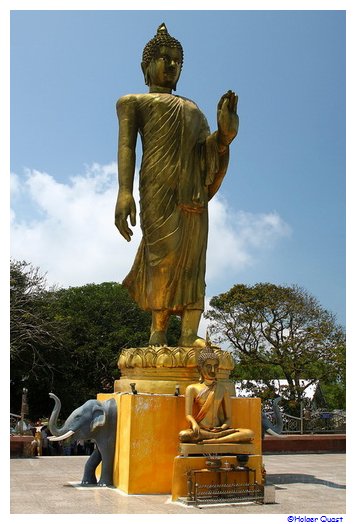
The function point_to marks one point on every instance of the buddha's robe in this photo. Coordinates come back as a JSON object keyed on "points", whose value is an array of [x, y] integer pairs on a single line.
{"points": [[203, 407], [209, 413], [180, 160]]}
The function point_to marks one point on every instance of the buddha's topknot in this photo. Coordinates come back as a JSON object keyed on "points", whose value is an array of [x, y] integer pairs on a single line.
{"points": [[206, 352], [162, 38]]}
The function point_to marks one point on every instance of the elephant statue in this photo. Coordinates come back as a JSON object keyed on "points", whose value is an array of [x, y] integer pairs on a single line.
{"points": [[267, 426], [96, 421]]}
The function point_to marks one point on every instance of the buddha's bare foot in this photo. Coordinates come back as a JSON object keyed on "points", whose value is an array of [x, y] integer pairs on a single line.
{"points": [[158, 338], [192, 341]]}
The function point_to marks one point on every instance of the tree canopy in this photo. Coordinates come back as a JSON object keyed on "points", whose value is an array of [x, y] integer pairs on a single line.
{"points": [[69, 340], [31, 329], [35, 338], [279, 332]]}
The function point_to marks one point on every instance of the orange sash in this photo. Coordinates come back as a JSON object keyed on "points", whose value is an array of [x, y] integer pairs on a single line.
{"points": [[204, 410]]}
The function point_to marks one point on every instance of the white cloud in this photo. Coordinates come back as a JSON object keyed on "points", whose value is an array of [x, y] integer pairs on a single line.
{"points": [[67, 229], [15, 186], [72, 237], [237, 239]]}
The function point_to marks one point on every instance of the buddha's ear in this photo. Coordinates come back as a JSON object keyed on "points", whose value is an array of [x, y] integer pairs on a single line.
{"points": [[175, 85], [144, 68]]}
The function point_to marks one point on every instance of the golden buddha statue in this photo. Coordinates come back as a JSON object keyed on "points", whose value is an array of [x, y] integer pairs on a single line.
{"points": [[182, 168], [208, 407]]}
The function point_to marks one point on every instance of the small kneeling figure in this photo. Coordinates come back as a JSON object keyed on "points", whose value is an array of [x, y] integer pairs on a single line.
{"points": [[208, 407]]}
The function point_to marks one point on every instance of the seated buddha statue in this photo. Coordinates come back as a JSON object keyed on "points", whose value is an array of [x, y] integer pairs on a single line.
{"points": [[208, 407]]}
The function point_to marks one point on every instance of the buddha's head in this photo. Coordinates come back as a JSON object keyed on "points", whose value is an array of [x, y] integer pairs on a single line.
{"points": [[208, 364], [162, 61]]}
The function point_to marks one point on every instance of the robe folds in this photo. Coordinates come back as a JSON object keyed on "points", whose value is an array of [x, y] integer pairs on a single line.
{"points": [[179, 162]]}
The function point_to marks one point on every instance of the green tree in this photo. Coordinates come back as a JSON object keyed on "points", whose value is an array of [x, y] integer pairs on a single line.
{"points": [[280, 332], [69, 340], [98, 322], [35, 338]]}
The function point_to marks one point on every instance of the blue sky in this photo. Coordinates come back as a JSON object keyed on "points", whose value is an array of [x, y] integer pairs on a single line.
{"points": [[280, 214]]}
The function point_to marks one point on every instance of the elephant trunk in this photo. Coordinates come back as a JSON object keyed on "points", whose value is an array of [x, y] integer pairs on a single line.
{"points": [[278, 427], [267, 426], [59, 433]]}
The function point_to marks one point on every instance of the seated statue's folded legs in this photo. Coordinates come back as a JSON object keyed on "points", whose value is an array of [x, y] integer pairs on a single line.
{"points": [[212, 437], [238, 435], [188, 436]]}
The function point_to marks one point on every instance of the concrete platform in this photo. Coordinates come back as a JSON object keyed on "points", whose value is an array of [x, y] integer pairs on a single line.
{"points": [[305, 484]]}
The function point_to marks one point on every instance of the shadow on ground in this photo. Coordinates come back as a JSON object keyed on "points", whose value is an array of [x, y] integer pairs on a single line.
{"points": [[300, 478]]}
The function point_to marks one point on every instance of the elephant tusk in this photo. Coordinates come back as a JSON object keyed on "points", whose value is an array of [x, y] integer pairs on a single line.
{"points": [[62, 437], [271, 432]]}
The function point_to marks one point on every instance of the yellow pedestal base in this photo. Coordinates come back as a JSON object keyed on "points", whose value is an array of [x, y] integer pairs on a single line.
{"points": [[184, 464], [147, 439]]}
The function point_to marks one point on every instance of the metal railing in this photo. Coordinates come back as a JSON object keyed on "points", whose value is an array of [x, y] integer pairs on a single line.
{"points": [[317, 422]]}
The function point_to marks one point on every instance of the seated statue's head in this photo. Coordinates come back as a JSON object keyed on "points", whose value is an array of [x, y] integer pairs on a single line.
{"points": [[208, 364], [162, 61]]}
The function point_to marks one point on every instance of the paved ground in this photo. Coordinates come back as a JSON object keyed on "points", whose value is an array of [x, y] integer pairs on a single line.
{"points": [[305, 484]]}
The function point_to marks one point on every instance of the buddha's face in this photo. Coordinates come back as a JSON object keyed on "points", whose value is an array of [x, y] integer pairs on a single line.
{"points": [[209, 369], [164, 69]]}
